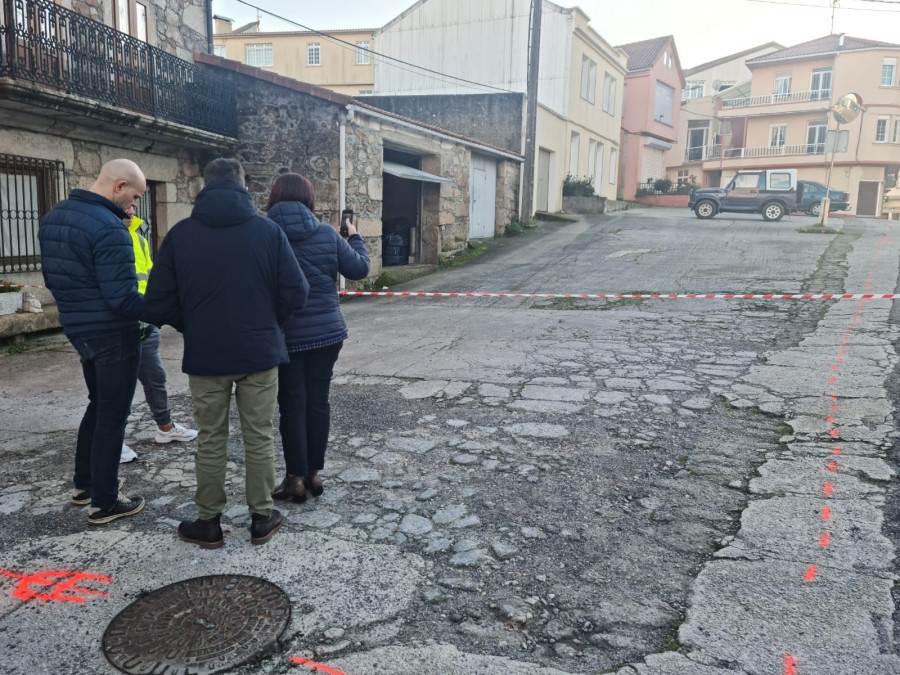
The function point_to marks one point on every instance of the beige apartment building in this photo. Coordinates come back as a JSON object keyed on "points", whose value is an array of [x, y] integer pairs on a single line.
{"points": [[339, 60], [783, 119]]}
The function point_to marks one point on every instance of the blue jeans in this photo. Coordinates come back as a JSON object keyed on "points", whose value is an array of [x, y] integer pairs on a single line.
{"points": [[303, 386], [153, 377], [110, 361]]}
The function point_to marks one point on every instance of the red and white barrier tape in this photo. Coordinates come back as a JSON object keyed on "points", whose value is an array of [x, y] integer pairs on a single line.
{"points": [[607, 296], [642, 296]]}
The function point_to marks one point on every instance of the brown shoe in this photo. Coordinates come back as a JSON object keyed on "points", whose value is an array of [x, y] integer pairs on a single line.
{"points": [[291, 488], [204, 533], [313, 483], [262, 528]]}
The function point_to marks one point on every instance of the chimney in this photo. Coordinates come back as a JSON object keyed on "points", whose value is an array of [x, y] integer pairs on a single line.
{"points": [[841, 40]]}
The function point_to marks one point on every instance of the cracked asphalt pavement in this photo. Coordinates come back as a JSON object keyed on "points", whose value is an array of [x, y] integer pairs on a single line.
{"points": [[534, 485]]}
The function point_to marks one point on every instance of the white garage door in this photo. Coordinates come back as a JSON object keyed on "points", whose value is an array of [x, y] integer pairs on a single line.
{"points": [[483, 197]]}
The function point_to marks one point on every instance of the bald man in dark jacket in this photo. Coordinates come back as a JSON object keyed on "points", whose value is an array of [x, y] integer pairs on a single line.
{"points": [[88, 264]]}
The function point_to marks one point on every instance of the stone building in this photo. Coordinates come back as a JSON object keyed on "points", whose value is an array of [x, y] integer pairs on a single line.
{"points": [[100, 79], [86, 81], [432, 188]]}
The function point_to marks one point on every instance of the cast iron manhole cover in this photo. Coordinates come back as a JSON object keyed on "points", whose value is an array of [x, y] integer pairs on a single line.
{"points": [[197, 626]]}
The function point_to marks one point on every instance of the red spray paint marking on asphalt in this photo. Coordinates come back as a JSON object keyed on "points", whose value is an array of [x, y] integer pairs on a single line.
{"points": [[826, 513], [828, 489], [790, 665], [824, 540], [61, 583], [832, 467], [810, 573], [316, 667]]}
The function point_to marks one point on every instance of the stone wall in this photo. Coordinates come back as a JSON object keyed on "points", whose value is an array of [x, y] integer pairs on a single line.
{"points": [[495, 119], [177, 27], [180, 27], [289, 126], [174, 179], [508, 178]]}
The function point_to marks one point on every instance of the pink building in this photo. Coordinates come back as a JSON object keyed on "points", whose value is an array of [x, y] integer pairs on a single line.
{"points": [[651, 108]]}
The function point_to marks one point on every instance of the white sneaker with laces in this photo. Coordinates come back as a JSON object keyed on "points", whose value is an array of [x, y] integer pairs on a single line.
{"points": [[128, 455], [176, 433]]}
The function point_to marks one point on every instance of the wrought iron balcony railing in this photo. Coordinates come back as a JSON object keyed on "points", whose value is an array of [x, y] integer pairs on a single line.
{"points": [[54, 47]]}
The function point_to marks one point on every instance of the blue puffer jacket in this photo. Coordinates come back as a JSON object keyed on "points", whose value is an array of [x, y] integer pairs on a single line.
{"points": [[322, 254], [88, 264], [227, 279]]}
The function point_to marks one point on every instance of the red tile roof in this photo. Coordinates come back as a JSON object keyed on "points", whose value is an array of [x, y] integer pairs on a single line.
{"points": [[830, 44], [642, 55]]}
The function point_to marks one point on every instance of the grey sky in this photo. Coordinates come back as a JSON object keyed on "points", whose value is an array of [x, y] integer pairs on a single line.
{"points": [[704, 29]]}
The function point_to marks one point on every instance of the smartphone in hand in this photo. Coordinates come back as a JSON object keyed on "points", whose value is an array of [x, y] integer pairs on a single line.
{"points": [[346, 214]]}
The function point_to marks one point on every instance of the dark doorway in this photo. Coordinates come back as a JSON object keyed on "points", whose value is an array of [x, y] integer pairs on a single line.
{"points": [[867, 201], [400, 213], [146, 211]]}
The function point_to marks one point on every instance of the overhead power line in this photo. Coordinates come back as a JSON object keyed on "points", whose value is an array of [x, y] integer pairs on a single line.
{"points": [[851, 9], [438, 74]]}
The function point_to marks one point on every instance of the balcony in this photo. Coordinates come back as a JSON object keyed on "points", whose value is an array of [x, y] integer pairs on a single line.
{"points": [[716, 157], [59, 50], [773, 99]]}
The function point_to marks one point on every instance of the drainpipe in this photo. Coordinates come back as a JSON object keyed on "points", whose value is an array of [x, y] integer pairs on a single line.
{"points": [[342, 154], [209, 27]]}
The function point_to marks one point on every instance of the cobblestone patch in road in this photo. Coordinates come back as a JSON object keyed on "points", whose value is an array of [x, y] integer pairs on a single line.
{"points": [[562, 520]]}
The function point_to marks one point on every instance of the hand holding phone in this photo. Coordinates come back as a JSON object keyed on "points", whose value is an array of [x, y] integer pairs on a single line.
{"points": [[346, 214]]}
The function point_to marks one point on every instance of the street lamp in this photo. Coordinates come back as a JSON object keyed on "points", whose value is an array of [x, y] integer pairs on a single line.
{"points": [[845, 111]]}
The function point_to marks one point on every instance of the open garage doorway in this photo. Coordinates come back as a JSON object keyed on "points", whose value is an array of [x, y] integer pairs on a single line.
{"points": [[410, 200]]}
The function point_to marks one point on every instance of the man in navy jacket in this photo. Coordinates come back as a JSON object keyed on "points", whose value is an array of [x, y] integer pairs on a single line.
{"points": [[88, 264], [227, 279]]}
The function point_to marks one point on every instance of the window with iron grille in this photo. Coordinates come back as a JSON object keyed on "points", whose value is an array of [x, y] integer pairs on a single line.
{"points": [[28, 189]]}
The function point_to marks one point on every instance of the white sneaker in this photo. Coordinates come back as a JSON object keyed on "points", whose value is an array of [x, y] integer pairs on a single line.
{"points": [[176, 433], [128, 455]]}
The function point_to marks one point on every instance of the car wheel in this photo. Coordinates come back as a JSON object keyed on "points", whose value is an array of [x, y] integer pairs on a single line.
{"points": [[705, 209], [815, 209], [773, 211]]}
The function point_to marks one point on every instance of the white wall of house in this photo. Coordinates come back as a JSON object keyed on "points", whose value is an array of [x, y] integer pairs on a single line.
{"points": [[486, 41], [726, 70], [483, 41]]}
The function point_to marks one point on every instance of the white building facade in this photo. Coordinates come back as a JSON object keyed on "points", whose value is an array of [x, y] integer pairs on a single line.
{"points": [[483, 44]]}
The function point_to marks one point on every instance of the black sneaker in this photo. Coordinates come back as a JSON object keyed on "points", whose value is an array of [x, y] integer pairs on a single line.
{"points": [[204, 533], [124, 507], [83, 497], [262, 528]]}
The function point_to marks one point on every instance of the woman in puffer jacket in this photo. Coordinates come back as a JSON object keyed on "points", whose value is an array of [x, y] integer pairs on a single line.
{"points": [[314, 335]]}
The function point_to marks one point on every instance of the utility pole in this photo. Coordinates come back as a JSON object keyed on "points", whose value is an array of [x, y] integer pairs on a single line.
{"points": [[834, 3], [534, 54]]}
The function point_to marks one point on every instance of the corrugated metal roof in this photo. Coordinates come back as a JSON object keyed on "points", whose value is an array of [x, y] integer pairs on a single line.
{"points": [[408, 172], [830, 44], [642, 55]]}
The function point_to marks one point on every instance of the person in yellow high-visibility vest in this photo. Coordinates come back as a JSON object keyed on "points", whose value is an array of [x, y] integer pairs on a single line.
{"points": [[151, 374]]}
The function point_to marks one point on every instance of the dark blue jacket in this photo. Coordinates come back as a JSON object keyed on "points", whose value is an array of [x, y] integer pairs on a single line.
{"points": [[227, 279], [88, 264], [322, 253]]}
